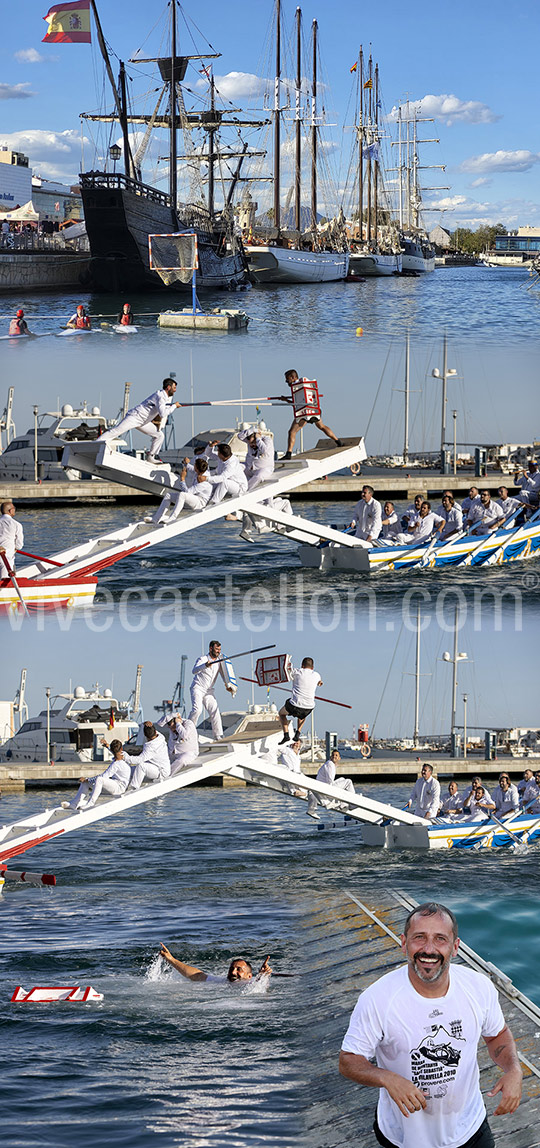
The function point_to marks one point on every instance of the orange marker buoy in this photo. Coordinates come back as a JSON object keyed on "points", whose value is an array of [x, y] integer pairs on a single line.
{"points": [[359, 331]]}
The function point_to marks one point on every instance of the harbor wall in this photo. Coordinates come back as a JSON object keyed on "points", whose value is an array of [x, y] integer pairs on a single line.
{"points": [[34, 271]]}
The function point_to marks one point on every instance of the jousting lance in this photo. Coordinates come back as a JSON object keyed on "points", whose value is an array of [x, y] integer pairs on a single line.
{"points": [[242, 654], [240, 402], [285, 690]]}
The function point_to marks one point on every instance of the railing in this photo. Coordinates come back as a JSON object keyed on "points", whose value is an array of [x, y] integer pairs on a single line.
{"points": [[37, 241], [116, 181]]}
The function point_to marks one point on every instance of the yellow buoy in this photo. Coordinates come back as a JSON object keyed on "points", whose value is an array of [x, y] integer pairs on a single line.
{"points": [[359, 331]]}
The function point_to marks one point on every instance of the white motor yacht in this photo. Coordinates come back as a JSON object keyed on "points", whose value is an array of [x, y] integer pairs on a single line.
{"points": [[77, 721]]}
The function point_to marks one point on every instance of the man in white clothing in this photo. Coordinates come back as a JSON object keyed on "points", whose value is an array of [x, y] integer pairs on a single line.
{"points": [[452, 804], [230, 477], [193, 495], [205, 672], [114, 780], [473, 499], [529, 482], [11, 538], [445, 494], [531, 795], [390, 522], [452, 516], [152, 764], [290, 758], [259, 463], [145, 417], [505, 796], [486, 516], [507, 504], [423, 1022], [422, 528], [182, 741], [327, 774], [302, 699], [367, 516], [426, 794]]}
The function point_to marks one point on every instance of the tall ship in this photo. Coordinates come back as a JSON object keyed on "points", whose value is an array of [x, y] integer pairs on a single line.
{"points": [[122, 211], [418, 253], [375, 245], [285, 250]]}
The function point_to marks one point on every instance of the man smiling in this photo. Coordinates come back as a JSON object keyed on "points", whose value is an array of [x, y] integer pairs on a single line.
{"points": [[423, 1022]]}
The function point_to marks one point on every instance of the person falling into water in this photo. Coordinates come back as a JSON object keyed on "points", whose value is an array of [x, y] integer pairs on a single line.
{"points": [[239, 969], [291, 377]]}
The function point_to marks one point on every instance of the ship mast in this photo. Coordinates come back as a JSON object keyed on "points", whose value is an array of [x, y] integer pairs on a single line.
{"points": [[173, 174], [376, 159], [298, 123], [129, 166], [277, 114], [361, 149], [370, 143], [314, 134]]}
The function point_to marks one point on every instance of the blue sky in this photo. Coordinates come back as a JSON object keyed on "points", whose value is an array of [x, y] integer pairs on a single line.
{"points": [[467, 66]]}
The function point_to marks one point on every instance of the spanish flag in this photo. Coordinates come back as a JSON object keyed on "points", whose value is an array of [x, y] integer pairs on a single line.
{"points": [[368, 84], [354, 67], [68, 23], [111, 719]]}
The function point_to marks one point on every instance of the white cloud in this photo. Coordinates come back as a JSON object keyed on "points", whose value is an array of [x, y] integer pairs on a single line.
{"points": [[54, 155], [468, 212], [499, 161], [482, 181], [15, 92], [448, 108], [236, 85], [29, 56]]}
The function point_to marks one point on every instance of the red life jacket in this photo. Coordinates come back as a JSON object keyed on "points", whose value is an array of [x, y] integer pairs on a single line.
{"points": [[126, 320], [15, 327], [82, 321]]}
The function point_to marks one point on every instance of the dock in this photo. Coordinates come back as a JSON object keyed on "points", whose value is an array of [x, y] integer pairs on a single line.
{"points": [[348, 941], [391, 484], [16, 777], [220, 319]]}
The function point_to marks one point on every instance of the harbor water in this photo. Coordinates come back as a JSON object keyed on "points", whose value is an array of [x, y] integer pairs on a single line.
{"points": [[214, 874]]}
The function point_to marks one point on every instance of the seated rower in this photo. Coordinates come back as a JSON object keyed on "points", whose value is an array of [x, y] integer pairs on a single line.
{"points": [[80, 320], [19, 326], [419, 532], [327, 774], [505, 796], [452, 516], [478, 805], [152, 763], [486, 516], [114, 780], [452, 805], [390, 522], [531, 796], [126, 317]]}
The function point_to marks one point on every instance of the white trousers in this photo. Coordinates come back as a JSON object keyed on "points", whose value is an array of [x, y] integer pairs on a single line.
{"points": [[205, 698], [259, 476], [232, 486], [343, 783], [176, 500], [131, 421], [99, 784], [181, 760], [143, 772]]}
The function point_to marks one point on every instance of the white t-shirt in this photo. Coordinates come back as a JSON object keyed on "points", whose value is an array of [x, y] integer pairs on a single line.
{"points": [[327, 772], [433, 1042], [304, 684], [205, 675], [291, 759]]}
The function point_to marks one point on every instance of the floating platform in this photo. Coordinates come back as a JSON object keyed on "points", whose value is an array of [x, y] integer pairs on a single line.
{"points": [[220, 319], [348, 941]]}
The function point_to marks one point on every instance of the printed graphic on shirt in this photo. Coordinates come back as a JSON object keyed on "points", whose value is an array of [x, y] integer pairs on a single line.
{"points": [[434, 1063]]}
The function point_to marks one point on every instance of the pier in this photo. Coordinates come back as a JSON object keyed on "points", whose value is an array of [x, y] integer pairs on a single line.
{"points": [[348, 942], [16, 777], [389, 484]]}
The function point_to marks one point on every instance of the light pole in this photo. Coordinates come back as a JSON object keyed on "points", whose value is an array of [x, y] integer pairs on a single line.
{"points": [[454, 416], [48, 696], [447, 373], [464, 725], [36, 409], [455, 660], [115, 152]]}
